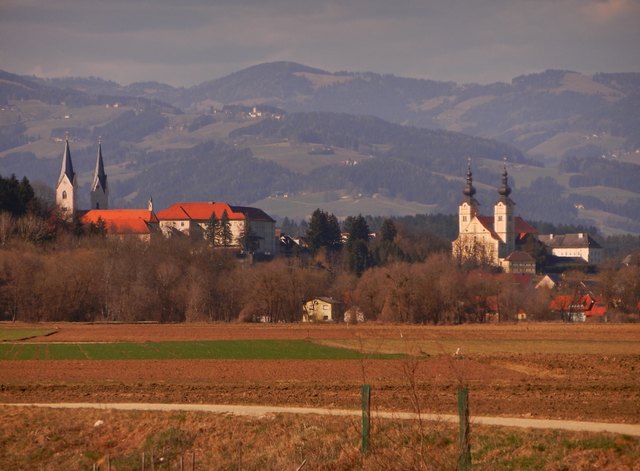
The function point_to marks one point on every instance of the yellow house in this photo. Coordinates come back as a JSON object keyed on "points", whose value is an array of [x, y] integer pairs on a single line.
{"points": [[321, 310]]}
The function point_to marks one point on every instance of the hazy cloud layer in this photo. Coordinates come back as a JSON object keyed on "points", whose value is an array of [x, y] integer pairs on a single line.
{"points": [[188, 42]]}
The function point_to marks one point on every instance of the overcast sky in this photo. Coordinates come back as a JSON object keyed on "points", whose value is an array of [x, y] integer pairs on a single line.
{"points": [[187, 42]]}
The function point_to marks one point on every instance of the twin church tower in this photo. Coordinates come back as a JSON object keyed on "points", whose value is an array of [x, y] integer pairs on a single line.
{"points": [[489, 239], [67, 187]]}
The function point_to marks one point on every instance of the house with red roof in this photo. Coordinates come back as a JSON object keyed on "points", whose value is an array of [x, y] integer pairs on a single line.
{"points": [[225, 224], [229, 226], [492, 239], [579, 307], [141, 224]]}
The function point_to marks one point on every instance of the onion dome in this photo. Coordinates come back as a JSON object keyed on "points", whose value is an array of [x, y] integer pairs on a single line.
{"points": [[505, 189], [469, 190]]}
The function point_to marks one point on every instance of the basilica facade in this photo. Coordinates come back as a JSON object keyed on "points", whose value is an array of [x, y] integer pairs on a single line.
{"points": [[493, 240]]}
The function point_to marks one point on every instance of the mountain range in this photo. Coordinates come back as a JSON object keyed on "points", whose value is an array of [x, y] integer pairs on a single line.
{"points": [[291, 137]]}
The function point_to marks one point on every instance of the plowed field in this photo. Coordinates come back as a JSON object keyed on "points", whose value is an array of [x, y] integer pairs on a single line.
{"points": [[587, 372]]}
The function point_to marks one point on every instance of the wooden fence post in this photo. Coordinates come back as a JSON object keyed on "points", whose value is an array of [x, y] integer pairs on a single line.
{"points": [[366, 416], [464, 459]]}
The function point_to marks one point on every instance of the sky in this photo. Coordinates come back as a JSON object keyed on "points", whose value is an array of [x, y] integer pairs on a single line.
{"points": [[187, 42]]}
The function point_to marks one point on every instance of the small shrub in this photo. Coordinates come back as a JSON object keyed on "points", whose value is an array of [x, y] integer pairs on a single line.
{"points": [[170, 443]]}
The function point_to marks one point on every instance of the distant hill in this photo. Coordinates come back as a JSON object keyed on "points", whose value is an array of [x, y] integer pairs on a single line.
{"points": [[547, 115], [571, 139]]}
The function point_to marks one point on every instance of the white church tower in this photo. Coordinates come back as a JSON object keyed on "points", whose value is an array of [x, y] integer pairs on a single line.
{"points": [[67, 185], [99, 188], [503, 221]]}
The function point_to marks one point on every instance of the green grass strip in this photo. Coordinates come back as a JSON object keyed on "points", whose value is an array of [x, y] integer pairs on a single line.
{"points": [[187, 350]]}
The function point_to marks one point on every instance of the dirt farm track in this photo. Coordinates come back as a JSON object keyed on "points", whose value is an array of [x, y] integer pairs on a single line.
{"points": [[559, 371]]}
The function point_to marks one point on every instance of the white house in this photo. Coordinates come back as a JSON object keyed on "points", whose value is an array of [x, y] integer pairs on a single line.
{"points": [[193, 220], [321, 310], [576, 246]]}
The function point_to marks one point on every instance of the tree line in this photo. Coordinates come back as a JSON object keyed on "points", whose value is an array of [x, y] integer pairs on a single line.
{"points": [[97, 279], [53, 271]]}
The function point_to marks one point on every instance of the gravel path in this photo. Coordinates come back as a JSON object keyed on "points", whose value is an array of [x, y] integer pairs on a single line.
{"points": [[259, 411]]}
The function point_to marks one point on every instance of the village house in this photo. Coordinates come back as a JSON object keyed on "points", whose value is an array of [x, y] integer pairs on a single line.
{"points": [[549, 281], [519, 262], [579, 246], [194, 219], [579, 308], [322, 309], [123, 223]]}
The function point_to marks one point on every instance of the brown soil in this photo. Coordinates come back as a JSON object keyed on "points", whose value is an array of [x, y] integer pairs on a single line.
{"points": [[564, 386], [78, 332]]}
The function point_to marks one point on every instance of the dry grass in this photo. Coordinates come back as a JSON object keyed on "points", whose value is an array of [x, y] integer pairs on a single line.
{"points": [[55, 439], [534, 377]]}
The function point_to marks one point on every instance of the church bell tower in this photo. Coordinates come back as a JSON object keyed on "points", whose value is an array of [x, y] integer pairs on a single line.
{"points": [[99, 188], [504, 221], [66, 188], [469, 207]]}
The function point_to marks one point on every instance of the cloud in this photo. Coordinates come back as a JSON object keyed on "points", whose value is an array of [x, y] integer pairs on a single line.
{"points": [[605, 11]]}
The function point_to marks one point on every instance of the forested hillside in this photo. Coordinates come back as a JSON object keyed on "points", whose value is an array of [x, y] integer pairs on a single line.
{"points": [[376, 143]]}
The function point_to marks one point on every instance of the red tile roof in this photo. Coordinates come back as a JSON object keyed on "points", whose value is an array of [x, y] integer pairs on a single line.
{"points": [[598, 309], [198, 211], [128, 226], [522, 227], [520, 256], [122, 221], [487, 223], [93, 215], [561, 302]]}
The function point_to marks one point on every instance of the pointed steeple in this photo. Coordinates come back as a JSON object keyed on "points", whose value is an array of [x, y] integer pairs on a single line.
{"points": [[99, 177], [99, 188], [67, 165]]}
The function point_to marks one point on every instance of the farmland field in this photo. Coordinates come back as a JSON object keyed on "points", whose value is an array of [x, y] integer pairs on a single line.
{"points": [[563, 371], [182, 350], [22, 334], [560, 371]]}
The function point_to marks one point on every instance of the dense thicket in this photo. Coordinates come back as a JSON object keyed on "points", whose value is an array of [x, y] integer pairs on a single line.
{"points": [[173, 281], [50, 271]]}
